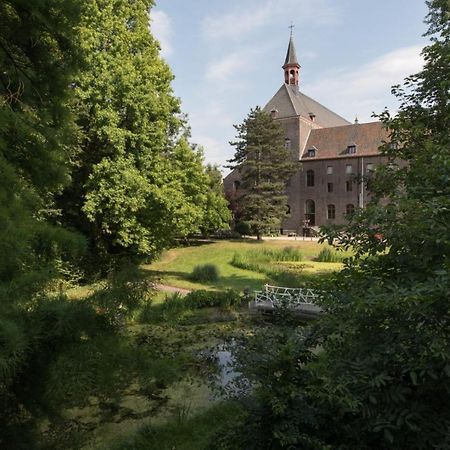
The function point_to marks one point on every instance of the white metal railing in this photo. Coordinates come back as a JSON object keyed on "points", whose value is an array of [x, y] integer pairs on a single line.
{"points": [[278, 296]]}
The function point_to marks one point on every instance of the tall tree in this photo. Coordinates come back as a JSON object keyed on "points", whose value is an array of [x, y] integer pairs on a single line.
{"points": [[265, 167], [137, 182], [37, 58]]}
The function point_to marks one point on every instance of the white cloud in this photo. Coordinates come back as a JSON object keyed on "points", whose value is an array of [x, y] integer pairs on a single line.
{"points": [[366, 89], [232, 65], [236, 25], [161, 26], [224, 69]]}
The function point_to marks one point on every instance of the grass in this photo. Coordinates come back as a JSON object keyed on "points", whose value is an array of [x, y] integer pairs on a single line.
{"points": [[176, 265]]}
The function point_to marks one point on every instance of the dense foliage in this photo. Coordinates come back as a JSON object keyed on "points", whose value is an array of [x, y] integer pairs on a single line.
{"points": [[374, 372], [137, 181], [265, 167], [217, 214], [94, 160]]}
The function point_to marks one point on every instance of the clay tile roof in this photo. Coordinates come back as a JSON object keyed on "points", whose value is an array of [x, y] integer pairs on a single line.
{"points": [[289, 101], [333, 142]]}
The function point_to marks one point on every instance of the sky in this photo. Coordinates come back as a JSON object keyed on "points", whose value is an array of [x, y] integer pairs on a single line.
{"points": [[226, 57]]}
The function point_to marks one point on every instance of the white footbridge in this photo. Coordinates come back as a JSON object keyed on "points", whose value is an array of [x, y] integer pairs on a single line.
{"points": [[301, 301]]}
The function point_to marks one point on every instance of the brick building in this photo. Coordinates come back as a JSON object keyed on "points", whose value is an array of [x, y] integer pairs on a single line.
{"points": [[334, 154]]}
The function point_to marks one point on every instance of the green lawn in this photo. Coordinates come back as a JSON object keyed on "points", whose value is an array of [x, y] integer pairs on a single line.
{"points": [[176, 264]]}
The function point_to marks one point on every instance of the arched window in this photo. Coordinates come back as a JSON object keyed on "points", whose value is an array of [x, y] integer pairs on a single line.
{"points": [[349, 209], [237, 184], [288, 209], [287, 144], [310, 212], [331, 212], [310, 178]]}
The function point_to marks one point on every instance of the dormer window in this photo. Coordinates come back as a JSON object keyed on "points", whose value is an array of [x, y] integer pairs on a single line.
{"points": [[311, 153], [351, 149]]}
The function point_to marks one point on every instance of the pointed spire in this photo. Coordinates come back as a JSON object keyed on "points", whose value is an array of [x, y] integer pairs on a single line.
{"points": [[291, 66], [291, 55]]}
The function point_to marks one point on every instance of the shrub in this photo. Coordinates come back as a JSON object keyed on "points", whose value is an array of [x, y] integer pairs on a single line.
{"points": [[243, 229], [207, 299], [329, 255], [205, 273]]}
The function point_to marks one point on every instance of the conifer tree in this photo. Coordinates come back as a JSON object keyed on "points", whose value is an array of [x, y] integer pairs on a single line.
{"points": [[37, 60], [265, 167]]}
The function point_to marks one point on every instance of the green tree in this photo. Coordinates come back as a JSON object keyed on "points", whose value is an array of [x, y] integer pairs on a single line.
{"points": [[382, 376], [217, 215], [136, 181], [37, 136], [265, 167], [36, 128]]}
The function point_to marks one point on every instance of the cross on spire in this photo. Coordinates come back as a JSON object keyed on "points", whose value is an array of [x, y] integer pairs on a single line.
{"points": [[291, 26]]}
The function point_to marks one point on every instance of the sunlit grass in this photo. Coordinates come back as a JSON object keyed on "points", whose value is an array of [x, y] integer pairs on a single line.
{"points": [[175, 265]]}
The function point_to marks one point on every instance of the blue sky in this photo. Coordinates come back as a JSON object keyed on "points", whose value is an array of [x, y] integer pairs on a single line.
{"points": [[227, 56]]}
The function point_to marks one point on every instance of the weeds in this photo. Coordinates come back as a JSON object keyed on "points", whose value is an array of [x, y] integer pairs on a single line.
{"points": [[329, 255]]}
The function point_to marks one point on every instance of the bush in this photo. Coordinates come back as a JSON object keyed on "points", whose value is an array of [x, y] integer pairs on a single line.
{"points": [[329, 255], [243, 229], [207, 299], [205, 273]]}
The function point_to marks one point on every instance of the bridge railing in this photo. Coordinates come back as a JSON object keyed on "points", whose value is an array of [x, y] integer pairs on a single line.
{"points": [[284, 296]]}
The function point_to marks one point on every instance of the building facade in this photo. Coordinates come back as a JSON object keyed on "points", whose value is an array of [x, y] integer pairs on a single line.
{"points": [[334, 154]]}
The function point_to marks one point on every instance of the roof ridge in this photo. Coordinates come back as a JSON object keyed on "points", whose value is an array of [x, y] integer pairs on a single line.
{"points": [[350, 125]]}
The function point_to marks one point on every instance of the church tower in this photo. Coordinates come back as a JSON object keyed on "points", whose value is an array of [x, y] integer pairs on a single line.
{"points": [[291, 66]]}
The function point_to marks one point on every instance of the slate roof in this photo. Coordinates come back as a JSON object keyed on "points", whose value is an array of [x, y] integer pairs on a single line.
{"points": [[333, 142], [291, 55], [289, 101]]}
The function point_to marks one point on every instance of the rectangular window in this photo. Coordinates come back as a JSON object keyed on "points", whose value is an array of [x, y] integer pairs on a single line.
{"points": [[370, 167], [331, 212], [348, 186], [330, 170], [310, 178], [348, 169], [330, 187]]}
